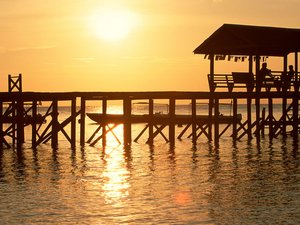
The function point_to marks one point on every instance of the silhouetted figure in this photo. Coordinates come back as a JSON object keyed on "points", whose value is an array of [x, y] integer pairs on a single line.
{"points": [[288, 78], [264, 75]]}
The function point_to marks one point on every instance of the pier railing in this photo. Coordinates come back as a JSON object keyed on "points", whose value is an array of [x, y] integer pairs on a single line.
{"points": [[212, 126]]}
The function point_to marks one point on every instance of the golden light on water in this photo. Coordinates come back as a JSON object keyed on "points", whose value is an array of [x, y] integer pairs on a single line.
{"points": [[115, 177]]}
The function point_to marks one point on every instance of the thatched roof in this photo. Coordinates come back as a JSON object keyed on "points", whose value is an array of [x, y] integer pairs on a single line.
{"points": [[232, 39]]}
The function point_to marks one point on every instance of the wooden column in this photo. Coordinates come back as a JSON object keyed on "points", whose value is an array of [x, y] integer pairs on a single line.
{"points": [[270, 110], [295, 115], [284, 99], [216, 120], [127, 121], [73, 123], [151, 111], [234, 125], [82, 121], [104, 111], [211, 100], [171, 122], [54, 140], [20, 123], [257, 99], [194, 121], [34, 122], [296, 84], [249, 118]]}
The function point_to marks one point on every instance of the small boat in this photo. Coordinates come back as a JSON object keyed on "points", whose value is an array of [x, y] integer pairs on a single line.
{"points": [[161, 118]]}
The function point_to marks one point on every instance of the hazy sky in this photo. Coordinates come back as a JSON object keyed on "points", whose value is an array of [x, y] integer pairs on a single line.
{"points": [[70, 45]]}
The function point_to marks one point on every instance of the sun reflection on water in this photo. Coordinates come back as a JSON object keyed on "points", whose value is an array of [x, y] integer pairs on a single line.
{"points": [[115, 177]]}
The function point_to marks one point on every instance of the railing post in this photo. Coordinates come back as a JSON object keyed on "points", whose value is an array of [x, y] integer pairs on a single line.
{"points": [[82, 121], [171, 122], [127, 121]]}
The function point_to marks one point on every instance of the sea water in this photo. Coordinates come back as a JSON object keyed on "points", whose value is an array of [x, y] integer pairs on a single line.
{"points": [[235, 182]]}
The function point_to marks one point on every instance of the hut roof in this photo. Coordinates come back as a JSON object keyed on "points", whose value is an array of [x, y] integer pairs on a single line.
{"points": [[232, 39]]}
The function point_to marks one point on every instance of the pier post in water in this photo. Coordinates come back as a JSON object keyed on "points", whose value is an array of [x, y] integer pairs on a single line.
{"points": [[216, 120], [54, 139], [104, 111], [82, 121], [127, 121], [172, 122], [73, 123], [34, 122], [194, 124], [234, 124], [151, 111]]}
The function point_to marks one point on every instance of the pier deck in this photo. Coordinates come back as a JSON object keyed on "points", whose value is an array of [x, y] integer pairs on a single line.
{"points": [[24, 104]]}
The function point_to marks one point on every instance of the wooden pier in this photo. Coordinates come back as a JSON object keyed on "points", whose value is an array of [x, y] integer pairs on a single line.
{"points": [[18, 109], [23, 105]]}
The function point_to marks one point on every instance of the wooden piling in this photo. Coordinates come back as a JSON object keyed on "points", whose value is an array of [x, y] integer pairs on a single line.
{"points": [[194, 124], [271, 118], [151, 111], [34, 122], [216, 121], [127, 123], [234, 113], [73, 122], [20, 124], [54, 114], [104, 111], [82, 121], [171, 123]]}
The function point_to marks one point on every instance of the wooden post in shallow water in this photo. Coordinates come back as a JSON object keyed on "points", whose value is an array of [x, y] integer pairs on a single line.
{"points": [[151, 111], [104, 111], [20, 124], [234, 125], [171, 122], [34, 122], [216, 120], [127, 120], [271, 118], [54, 139], [73, 123], [82, 121], [194, 125]]}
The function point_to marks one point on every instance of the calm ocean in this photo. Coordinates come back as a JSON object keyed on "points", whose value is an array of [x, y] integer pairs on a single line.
{"points": [[241, 182]]}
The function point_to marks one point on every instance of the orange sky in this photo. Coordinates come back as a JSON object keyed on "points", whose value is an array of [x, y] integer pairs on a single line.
{"points": [[56, 47]]}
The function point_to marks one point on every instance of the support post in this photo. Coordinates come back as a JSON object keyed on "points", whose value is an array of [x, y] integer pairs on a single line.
{"points": [[216, 121], [20, 123], [54, 140], [34, 122], [295, 116], [234, 125], [127, 121], [171, 122], [194, 121], [249, 118], [104, 111], [271, 117], [82, 121], [151, 111], [73, 123]]}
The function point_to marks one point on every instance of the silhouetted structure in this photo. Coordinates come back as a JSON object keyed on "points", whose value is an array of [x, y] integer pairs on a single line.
{"points": [[230, 41], [255, 43]]}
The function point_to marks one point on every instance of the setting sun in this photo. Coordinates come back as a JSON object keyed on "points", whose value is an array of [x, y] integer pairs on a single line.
{"points": [[112, 24]]}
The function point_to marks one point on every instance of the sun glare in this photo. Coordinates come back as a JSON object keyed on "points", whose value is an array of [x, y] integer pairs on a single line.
{"points": [[112, 24]]}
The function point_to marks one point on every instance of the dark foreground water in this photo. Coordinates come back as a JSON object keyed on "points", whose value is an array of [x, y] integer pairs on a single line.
{"points": [[235, 183]]}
